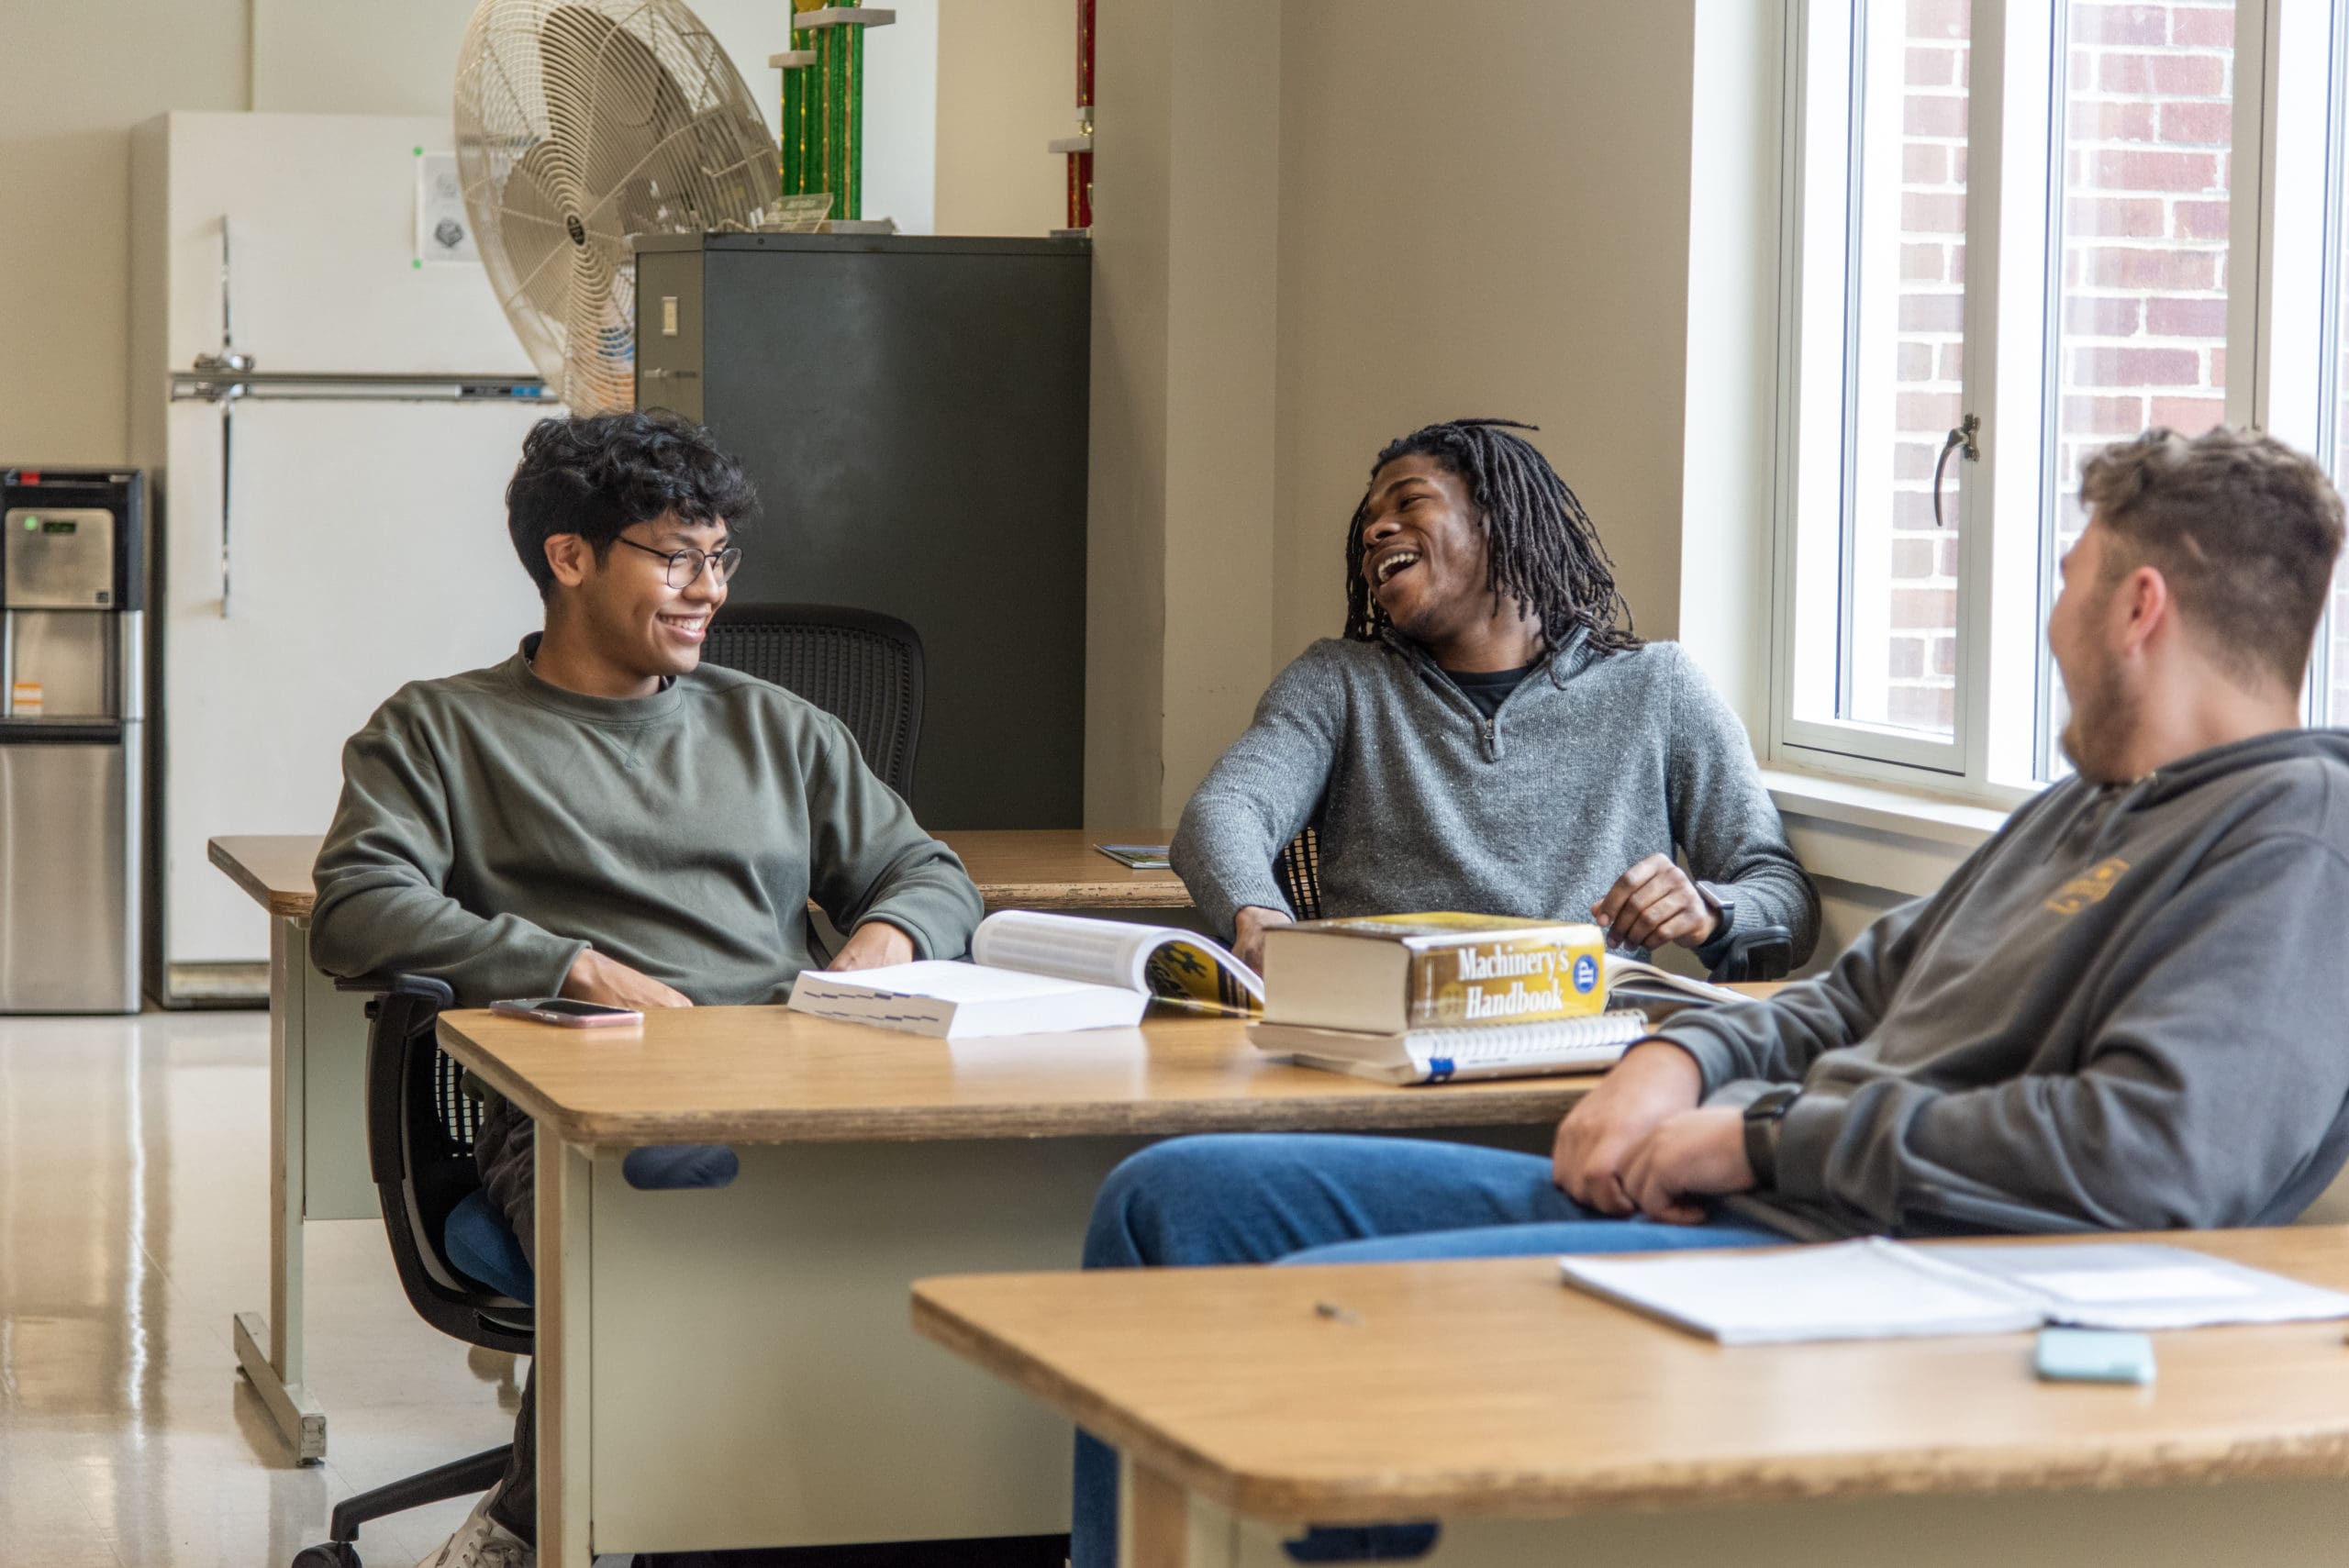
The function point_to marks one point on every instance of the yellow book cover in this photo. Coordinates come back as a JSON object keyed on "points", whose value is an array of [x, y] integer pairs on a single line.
{"points": [[1486, 969]]}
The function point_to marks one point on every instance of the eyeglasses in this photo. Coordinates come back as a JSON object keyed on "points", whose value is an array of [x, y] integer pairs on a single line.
{"points": [[684, 566]]}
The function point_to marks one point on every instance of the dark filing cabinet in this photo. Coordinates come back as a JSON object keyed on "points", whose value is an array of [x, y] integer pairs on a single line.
{"points": [[913, 410]]}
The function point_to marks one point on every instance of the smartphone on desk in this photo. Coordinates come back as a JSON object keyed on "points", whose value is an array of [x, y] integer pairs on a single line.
{"points": [[564, 1013]]}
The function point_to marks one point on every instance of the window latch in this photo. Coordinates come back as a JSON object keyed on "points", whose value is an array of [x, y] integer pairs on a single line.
{"points": [[1959, 441]]}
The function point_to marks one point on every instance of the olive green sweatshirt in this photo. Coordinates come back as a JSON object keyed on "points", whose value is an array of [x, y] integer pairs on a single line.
{"points": [[493, 826]]}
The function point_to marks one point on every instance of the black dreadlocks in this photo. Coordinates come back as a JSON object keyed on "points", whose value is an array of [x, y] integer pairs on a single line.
{"points": [[1541, 547]]}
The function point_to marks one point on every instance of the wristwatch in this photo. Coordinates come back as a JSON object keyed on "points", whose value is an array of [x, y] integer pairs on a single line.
{"points": [[1762, 1119]]}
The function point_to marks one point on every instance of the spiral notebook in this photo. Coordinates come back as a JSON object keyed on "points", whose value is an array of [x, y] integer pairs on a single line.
{"points": [[1447, 1055]]}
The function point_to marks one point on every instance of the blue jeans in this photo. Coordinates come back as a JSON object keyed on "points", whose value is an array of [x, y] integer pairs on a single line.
{"points": [[1317, 1198]]}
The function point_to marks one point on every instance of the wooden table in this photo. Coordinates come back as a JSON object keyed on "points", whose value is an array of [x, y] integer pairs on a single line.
{"points": [[1541, 1425], [319, 1051], [733, 1367]]}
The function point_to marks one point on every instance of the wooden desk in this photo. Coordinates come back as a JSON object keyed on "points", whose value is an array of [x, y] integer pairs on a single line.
{"points": [[1043, 868], [1486, 1394], [733, 1367], [318, 1052]]}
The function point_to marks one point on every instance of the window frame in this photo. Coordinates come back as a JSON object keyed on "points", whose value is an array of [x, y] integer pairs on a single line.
{"points": [[2017, 93]]}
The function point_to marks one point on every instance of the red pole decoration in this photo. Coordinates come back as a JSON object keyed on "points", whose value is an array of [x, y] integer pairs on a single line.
{"points": [[1080, 164]]}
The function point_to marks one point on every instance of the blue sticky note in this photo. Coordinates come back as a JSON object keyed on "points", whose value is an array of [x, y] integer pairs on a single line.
{"points": [[2094, 1356]]}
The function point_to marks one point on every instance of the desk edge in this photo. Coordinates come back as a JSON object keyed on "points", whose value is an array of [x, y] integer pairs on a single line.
{"points": [[1645, 1488], [1424, 1110], [283, 905]]}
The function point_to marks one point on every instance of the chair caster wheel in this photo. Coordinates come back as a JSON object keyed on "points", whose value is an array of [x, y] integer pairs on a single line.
{"points": [[333, 1554]]}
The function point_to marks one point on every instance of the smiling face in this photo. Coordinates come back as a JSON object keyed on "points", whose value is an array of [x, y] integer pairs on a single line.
{"points": [[1424, 554], [633, 618]]}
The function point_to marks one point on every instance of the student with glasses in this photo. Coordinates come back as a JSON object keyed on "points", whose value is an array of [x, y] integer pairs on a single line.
{"points": [[604, 817]]}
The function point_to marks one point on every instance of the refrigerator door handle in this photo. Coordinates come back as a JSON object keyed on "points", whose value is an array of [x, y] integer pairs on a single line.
{"points": [[228, 359], [228, 484]]}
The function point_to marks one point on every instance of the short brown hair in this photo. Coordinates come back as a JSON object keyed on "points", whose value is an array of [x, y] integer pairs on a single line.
{"points": [[2243, 528]]}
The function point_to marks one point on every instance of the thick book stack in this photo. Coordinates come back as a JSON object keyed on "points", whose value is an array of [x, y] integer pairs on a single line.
{"points": [[1435, 998]]}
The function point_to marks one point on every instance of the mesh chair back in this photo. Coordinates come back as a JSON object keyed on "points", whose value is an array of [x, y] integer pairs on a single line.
{"points": [[1298, 870], [421, 1130], [862, 667]]}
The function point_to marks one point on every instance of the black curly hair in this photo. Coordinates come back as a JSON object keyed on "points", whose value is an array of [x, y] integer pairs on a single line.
{"points": [[596, 475], [1541, 547]]}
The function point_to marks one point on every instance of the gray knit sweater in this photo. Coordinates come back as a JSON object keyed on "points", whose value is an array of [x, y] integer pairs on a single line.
{"points": [[1591, 764]]}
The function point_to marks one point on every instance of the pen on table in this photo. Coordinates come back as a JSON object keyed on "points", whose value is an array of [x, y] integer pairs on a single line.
{"points": [[1331, 1309]]}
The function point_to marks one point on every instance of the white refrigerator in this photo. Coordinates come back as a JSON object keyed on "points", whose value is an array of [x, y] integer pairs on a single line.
{"points": [[329, 402]]}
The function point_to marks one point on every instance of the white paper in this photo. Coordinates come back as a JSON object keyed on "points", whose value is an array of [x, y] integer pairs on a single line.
{"points": [[1849, 1290], [444, 230], [2145, 1285], [1877, 1289], [2138, 1284]]}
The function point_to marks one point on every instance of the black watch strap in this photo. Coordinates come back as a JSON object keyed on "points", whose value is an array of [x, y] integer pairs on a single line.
{"points": [[1762, 1119]]}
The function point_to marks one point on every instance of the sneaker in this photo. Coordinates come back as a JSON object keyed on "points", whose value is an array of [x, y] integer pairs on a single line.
{"points": [[482, 1542]]}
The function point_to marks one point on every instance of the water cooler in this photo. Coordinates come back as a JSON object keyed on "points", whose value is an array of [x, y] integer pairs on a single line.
{"points": [[73, 593]]}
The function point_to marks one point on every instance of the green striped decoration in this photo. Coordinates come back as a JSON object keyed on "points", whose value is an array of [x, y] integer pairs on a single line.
{"points": [[823, 118]]}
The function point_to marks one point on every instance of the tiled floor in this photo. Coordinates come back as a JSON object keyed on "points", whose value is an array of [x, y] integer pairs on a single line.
{"points": [[134, 1160]]}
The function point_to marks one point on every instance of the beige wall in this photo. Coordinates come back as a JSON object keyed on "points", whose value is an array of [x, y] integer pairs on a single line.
{"points": [[1492, 224], [1007, 84], [1182, 477], [1495, 223], [80, 73]]}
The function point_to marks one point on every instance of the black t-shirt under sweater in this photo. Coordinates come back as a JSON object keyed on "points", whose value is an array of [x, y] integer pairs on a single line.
{"points": [[1488, 689]]}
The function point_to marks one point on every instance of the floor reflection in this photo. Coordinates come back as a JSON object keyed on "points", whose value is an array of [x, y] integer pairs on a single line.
{"points": [[134, 1164]]}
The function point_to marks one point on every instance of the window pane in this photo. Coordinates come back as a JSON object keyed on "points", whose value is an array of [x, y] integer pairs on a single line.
{"points": [[2140, 336], [2332, 664], [1908, 300]]}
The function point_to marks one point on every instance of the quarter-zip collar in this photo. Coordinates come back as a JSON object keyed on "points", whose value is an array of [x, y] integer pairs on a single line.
{"points": [[1556, 669]]}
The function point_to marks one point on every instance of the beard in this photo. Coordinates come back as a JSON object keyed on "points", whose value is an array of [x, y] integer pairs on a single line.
{"points": [[2104, 715]]}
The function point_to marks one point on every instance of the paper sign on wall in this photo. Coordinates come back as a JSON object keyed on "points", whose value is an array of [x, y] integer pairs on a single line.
{"points": [[443, 231]]}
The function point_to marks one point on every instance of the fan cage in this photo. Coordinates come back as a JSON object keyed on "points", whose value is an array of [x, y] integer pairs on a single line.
{"points": [[581, 126]]}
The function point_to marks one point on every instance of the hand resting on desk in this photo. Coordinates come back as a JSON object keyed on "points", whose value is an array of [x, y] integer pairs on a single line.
{"points": [[667, 1167], [596, 978], [876, 943]]}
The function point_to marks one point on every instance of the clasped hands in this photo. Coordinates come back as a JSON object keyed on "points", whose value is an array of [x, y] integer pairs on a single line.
{"points": [[1641, 1144]]}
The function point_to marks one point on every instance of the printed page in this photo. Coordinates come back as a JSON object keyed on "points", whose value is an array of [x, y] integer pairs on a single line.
{"points": [[1177, 967], [1643, 978], [1851, 1290], [1099, 953], [2144, 1285]]}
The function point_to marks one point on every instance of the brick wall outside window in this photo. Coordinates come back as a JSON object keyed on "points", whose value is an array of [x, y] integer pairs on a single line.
{"points": [[2147, 167]]}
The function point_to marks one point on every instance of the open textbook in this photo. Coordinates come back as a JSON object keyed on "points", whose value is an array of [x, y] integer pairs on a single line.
{"points": [[1875, 1289], [1635, 983], [1037, 973]]}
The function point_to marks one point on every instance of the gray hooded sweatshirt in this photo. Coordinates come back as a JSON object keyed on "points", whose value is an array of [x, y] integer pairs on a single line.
{"points": [[1591, 764], [2128, 1010]]}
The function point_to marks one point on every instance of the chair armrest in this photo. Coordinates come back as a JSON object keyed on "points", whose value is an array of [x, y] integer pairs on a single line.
{"points": [[1765, 952]]}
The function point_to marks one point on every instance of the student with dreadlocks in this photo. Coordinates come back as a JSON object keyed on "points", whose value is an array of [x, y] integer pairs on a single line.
{"points": [[1490, 736]]}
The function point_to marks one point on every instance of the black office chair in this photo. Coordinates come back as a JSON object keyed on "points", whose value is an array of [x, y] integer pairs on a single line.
{"points": [[420, 1128], [862, 667], [1765, 952]]}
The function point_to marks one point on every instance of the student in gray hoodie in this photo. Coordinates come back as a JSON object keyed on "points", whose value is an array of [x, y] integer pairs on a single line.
{"points": [[1489, 734], [2125, 1011]]}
